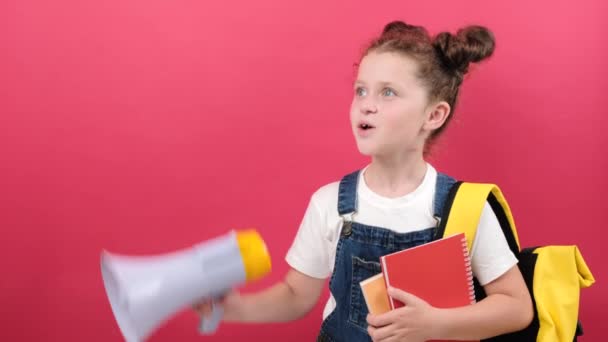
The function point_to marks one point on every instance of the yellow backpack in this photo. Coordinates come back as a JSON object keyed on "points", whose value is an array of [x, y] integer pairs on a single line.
{"points": [[554, 274]]}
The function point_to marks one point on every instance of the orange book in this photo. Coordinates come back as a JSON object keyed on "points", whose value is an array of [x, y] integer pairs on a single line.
{"points": [[438, 272], [375, 295]]}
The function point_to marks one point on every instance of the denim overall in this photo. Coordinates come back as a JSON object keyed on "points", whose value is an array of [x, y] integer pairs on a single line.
{"points": [[357, 258]]}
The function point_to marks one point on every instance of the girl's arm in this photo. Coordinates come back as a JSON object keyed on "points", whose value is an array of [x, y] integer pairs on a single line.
{"points": [[287, 300], [507, 308]]}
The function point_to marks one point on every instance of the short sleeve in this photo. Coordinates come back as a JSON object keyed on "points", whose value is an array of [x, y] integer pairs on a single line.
{"points": [[491, 255], [309, 252]]}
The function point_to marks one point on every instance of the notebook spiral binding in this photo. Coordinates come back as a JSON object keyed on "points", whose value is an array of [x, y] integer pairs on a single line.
{"points": [[469, 270]]}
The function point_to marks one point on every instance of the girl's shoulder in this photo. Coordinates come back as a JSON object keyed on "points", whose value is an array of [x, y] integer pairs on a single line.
{"points": [[326, 195]]}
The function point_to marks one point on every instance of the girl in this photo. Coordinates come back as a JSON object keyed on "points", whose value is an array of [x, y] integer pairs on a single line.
{"points": [[404, 96]]}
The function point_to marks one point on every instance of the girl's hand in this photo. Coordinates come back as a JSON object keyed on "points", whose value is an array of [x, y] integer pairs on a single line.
{"points": [[413, 322], [231, 302]]}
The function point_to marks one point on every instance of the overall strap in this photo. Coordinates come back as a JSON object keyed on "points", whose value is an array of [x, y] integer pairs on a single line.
{"points": [[347, 194], [442, 190]]}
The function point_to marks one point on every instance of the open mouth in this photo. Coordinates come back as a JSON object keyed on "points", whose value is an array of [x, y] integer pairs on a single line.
{"points": [[365, 126]]}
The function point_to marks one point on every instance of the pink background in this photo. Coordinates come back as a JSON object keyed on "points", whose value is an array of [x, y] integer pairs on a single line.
{"points": [[146, 126]]}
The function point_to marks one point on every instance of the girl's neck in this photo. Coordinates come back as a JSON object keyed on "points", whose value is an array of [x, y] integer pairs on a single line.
{"points": [[395, 177]]}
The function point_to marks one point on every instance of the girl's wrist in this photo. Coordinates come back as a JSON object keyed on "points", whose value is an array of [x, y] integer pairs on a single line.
{"points": [[439, 324]]}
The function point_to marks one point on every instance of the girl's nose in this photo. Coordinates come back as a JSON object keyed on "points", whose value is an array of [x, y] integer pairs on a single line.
{"points": [[369, 106]]}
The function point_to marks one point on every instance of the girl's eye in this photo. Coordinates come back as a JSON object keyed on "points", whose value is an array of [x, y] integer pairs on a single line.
{"points": [[360, 91], [388, 92]]}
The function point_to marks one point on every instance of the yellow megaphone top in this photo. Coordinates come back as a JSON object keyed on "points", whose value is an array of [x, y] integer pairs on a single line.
{"points": [[254, 253]]}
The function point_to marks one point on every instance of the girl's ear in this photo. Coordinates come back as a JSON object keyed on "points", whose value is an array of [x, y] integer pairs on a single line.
{"points": [[436, 116]]}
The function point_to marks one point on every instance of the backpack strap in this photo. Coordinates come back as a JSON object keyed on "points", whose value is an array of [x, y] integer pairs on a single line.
{"points": [[463, 209]]}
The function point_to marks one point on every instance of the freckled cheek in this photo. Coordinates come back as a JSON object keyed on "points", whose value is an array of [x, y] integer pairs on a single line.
{"points": [[394, 120], [400, 128]]}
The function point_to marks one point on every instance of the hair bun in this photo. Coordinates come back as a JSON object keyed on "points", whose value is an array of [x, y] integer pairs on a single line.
{"points": [[470, 45]]}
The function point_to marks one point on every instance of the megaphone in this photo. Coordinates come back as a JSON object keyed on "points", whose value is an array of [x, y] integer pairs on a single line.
{"points": [[145, 291]]}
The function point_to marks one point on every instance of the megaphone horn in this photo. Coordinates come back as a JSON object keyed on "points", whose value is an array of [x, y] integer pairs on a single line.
{"points": [[145, 291]]}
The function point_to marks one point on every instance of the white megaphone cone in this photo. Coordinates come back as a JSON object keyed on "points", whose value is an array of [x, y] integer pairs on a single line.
{"points": [[145, 291]]}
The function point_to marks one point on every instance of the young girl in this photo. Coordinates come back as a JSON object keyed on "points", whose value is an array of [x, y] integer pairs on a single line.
{"points": [[404, 96]]}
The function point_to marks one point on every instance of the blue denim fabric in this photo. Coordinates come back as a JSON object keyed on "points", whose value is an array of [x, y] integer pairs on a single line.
{"points": [[357, 258]]}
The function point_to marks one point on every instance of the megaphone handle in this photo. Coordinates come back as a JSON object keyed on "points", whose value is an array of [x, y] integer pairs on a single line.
{"points": [[209, 325]]}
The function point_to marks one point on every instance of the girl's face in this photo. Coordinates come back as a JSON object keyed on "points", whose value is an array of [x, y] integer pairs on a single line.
{"points": [[389, 108]]}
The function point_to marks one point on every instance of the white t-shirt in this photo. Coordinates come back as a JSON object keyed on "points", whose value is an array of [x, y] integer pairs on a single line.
{"points": [[314, 247]]}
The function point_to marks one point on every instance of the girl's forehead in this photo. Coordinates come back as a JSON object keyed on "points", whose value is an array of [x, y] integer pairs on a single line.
{"points": [[386, 67]]}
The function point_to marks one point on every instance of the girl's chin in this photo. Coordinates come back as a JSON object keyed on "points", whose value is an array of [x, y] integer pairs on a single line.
{"points": [[366, 150]]}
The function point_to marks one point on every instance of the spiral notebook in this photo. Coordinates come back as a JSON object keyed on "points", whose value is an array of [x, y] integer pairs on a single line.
{"points": [[439, 272]]}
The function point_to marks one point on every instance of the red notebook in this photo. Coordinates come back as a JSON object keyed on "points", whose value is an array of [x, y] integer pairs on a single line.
{"points": [[438, 272]]}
